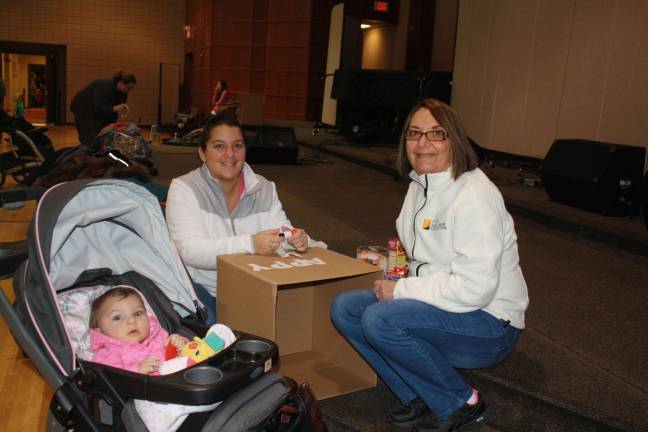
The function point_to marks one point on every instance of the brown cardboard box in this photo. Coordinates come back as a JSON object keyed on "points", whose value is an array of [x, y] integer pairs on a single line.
{"points": [[288, 300]]}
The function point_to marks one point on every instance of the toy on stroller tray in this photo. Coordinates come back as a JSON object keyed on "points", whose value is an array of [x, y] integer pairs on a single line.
{"points": [[88, 235], [27, 147]]}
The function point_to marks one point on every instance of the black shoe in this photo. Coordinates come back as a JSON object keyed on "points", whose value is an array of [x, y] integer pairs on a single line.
{"points": [[407, 415], [466, 418]]}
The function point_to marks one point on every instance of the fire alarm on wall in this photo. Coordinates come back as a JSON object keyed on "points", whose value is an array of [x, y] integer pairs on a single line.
{"points": [[381, 6]]}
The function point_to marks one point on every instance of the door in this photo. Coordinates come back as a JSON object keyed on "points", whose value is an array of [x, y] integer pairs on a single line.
{"points": [[169, 101]]}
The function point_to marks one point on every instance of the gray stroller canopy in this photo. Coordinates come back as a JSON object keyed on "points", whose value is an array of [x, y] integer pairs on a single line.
{"points": [[95, 224]]}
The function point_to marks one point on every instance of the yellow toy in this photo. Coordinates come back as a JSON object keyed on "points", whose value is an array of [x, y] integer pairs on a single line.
{"points": [[197, 350]]}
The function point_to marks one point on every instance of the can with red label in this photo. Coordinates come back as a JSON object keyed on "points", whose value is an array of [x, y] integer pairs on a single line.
{"points": [[397, 273], [396, 257]]}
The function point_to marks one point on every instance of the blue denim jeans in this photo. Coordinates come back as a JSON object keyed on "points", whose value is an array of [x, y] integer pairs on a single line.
{"points": [[415, 347], [208, 300]]}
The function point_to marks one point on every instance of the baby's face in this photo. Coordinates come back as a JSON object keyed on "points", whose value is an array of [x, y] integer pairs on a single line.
{"points": [[123, 319]]}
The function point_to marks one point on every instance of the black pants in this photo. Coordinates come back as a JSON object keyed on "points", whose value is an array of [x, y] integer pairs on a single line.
{"points": [[88, 127]]}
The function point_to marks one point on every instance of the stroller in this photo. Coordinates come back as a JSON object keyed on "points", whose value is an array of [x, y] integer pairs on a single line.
{"points": [[28, 147], [87, 235]]}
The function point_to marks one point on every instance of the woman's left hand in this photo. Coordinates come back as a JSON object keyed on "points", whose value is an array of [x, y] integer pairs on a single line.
{"points": [[384, 289], [298, 240]]}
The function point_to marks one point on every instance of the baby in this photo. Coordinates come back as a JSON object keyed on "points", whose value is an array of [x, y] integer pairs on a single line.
{"points": [[123, 335]]}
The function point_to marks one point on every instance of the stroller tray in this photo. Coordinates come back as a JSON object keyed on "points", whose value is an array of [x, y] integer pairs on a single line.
{"points": [[207, 382]]}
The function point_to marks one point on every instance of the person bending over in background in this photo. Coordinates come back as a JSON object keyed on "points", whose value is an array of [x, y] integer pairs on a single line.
{"points": [[463, 304], [100, 103]]}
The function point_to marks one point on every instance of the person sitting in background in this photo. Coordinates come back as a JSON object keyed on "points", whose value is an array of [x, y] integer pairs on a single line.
{"points": [[223, 207], [463, 304], [220, 98]]}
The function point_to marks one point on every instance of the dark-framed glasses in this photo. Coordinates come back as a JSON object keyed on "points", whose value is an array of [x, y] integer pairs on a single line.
{"points": [[431, 135]]}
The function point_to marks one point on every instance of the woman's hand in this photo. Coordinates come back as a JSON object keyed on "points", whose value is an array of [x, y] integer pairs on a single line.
{"points": [[149, 365], [177, 341], [384, 289], [266, 242], [121, 109], [298, 240]]}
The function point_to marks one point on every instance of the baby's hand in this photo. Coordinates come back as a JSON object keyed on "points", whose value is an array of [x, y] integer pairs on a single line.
{"points": [[149, 365], [177, 341]]}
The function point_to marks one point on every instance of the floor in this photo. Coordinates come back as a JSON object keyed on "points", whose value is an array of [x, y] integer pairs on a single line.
{"points": [[580, 365]]}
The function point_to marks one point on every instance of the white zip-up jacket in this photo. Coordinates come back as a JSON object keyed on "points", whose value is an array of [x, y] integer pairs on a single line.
{"points": [[202, 226], [462, 247]]}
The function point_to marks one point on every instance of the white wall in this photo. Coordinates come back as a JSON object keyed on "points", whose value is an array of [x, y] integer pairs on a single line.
{"points": [[529, 71]]}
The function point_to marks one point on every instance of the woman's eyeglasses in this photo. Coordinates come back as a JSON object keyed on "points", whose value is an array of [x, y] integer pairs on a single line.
{"points": [[431, 135]]}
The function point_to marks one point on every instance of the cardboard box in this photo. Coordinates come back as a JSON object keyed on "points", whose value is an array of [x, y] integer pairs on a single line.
{"points": [[288, 300]]}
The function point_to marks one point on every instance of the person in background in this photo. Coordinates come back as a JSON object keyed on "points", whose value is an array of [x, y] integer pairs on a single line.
{"points": [[220, 98], [223, 207], [463, 303], [3, 93], [20, 106], [100, 103]]}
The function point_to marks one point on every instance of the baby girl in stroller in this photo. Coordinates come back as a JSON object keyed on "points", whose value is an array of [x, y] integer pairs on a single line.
{"points": [[124, 335]]}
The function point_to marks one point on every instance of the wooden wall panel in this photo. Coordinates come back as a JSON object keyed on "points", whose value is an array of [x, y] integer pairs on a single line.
{"points": [[550, 48], [513, 59], [259, 46], [233, 10], [288, 34], [232, 33], [286, 83], [528, 72], [587, 67], [626, 90], [470, 75], [230, 57], [289, 10], [287, 59]]}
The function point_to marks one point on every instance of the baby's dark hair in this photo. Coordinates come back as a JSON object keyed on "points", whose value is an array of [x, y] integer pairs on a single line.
{"points": [[119, 292]]}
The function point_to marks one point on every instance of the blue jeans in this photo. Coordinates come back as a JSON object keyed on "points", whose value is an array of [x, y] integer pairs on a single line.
{"points": [[208, 300], [415, 347]]}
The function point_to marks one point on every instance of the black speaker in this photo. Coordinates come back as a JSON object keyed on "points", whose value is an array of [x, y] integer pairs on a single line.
{"points": [[599, 177], [270, 144]]}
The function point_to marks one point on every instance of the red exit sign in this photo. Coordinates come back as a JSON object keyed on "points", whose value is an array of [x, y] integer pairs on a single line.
{"points": [[381, 6]]}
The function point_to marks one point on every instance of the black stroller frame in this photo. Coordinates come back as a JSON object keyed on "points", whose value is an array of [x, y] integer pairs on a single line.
{"points": [[28, 148], [95, 397]]}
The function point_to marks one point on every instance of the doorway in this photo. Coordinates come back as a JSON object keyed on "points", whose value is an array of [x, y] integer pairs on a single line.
{"points": [[35, 73]]}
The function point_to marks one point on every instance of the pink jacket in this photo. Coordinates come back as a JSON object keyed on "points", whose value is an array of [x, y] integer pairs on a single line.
{"points": [[128, 355]]}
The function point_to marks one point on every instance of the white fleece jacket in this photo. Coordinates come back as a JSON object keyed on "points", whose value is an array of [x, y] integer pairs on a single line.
{"points": [[462, 246], [202, 227]]}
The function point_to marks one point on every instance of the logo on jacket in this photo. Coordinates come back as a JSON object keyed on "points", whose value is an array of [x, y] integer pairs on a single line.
{"points": [[430, 225]]}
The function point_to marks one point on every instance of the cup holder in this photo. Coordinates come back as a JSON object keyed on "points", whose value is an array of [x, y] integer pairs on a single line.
{"points": [[253, 346], [203, 375]]}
